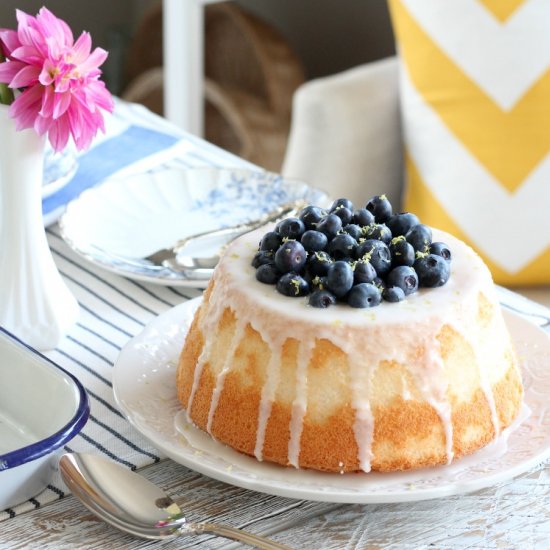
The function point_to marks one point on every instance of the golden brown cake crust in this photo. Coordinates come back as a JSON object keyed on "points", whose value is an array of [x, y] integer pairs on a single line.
{"points": [[407, 433]]}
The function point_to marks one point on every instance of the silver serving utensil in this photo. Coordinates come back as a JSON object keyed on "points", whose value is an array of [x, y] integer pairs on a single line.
{"points": [[174, 258], [540, 319], [134, 505]]}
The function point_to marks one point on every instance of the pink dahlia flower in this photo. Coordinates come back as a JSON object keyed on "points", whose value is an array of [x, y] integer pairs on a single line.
{"points": [[61, 94]]}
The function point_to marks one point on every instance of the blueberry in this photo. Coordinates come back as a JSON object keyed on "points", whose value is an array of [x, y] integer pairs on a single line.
{"points": [[318, 263], [403, 277], [364, 295], [311, 215], [366, 247], [314, 241], [340, 278], [400, 223], [380, 207], [322, 299], [267, 274], [307, 276], [393, 294], [292, 284], [432, 270], [330, 225], [341, 203], [377, 253], [263, 257], [271, 241], [441, 249], [420, 236], [402, 252], [362, 217], [354, 230], [318, 283], [378, 231], [381, 261], [342, 246], [292, 228], [363, 272], [290, 256], [380, 284], [344, 214]]}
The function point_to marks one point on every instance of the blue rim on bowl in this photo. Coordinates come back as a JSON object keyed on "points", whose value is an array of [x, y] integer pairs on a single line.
{"points": [[59, 438]]}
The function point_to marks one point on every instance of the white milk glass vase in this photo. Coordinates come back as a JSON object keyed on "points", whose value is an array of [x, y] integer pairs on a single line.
{"points": [[35, 303]]}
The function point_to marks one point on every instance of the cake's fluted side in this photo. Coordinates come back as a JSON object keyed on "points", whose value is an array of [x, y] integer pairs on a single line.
{"points": [[400, 386]]}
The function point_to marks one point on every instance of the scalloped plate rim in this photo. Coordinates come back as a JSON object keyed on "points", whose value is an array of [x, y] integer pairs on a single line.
{"points": [[187, 456]]}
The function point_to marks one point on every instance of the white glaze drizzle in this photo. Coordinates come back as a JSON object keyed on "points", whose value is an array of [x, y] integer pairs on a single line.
{"points": [[299, 405], [489, 395], [363, 429], [485, 384], [498, 327], [434, 390], [220, 379], [294, 319], [273, 371], [207, 324], [406, 393], [201, 361]]}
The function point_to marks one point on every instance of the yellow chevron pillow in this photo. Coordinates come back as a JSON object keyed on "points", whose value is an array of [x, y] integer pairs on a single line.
{"points": [[475, 98]]}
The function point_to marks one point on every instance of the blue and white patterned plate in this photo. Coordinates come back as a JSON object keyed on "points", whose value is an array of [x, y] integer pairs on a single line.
{"points": [[117, 224]]}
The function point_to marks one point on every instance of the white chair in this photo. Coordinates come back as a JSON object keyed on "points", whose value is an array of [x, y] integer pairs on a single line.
{"points": [[345, 135]]}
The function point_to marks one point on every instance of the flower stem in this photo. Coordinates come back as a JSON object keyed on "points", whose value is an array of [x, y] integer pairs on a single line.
{"points": [[6, 95]]}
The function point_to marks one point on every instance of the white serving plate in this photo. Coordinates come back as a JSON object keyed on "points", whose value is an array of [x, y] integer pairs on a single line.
{"points": [[145, 390], [118, 223], [42, 407]]}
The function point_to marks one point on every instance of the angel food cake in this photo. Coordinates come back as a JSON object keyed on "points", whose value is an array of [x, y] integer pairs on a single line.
{"points": [[350, 340]]}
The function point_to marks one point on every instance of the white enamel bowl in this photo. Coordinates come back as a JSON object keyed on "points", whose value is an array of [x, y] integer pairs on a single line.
{"points": [[42, 407]]}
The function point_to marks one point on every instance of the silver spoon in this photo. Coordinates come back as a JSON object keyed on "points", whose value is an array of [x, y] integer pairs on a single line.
{"points": [[134, 505]]}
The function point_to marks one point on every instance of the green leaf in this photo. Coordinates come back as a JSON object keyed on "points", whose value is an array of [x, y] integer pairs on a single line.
{"points": [[6, 95]]}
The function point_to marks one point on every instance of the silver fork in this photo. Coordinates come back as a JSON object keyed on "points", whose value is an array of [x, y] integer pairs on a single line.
{"points": [[173, 257]]}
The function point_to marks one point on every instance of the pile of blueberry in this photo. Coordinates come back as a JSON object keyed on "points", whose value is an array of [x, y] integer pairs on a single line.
{"points": [[359, 256]]}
